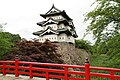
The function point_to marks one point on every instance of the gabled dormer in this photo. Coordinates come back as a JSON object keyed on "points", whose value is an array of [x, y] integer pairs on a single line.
{"points": [[50, 21], [49, 30]]}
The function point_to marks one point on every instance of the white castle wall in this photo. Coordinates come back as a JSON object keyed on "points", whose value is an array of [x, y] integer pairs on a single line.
{"points": [[57, 38], [53, 26], [55, 17], [51, 37]]}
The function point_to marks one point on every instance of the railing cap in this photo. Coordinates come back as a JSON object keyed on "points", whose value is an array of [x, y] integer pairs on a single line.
{"points": [[16, 57], [86, 60]]}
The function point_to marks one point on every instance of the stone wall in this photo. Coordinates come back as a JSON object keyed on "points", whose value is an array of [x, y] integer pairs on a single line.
{"points": [[70, 54]]}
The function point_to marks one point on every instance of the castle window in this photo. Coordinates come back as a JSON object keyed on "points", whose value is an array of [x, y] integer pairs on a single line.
{"points": [[62, 37], [58, 17], [60, 26]]}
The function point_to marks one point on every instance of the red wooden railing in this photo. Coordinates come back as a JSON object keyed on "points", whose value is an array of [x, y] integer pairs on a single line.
{"points": [[58, 71]]}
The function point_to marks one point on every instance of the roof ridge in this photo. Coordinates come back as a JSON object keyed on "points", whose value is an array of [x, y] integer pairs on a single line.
{"points": [[53, 7]]}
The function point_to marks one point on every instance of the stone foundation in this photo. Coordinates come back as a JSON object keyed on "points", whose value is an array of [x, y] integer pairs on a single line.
{"points": [[70, 54]]}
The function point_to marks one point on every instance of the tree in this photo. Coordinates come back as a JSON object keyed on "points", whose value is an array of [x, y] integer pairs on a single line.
{"points": [[105, 22], [35, 51], [1, 26], [7, 41], [105, 26], [83, 44], [105, 19], [113, 51]]}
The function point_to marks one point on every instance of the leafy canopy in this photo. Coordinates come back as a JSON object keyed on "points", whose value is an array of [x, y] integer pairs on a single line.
{"points": [[83, 44], [105, 26], [7, 41], [105, 19]]}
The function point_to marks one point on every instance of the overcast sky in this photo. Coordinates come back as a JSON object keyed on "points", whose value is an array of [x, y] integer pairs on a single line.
{"points": [[21, 16]]}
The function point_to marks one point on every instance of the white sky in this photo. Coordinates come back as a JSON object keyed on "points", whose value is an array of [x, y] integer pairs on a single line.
{"points": [[21, 16]]}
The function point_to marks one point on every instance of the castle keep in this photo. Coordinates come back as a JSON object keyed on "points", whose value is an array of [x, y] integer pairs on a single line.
{"points": [[57, 27]]}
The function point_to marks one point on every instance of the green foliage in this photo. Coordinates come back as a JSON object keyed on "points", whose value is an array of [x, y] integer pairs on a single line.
{"points": [[1, 28], [113, 50], [99, 60], [105, 26], [11, 37], [105, 19], [7, 41], [83, 44]]}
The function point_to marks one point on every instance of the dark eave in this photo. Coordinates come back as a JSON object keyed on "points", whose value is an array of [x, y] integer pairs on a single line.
{"points": [[59, 21], [66, 32], [63, 13], [38, 33], [59, 31], [41, 23], [75, 35]]}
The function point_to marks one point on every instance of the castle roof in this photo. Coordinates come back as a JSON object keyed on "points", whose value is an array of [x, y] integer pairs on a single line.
{"points": [[51, 20], [49, 30], [58, 21], [54, 11]]}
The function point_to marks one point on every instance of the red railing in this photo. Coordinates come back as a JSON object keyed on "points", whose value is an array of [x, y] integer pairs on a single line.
{"points": [[58, 71]]}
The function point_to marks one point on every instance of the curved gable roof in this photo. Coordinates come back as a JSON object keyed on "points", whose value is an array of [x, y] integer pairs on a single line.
{"points": [[50, 21], [53, 10], [48, 30]]}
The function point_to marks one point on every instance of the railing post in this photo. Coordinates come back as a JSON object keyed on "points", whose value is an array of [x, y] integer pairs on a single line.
{"points": [[31, 75], [66, 73], [16, 66], [112, 75], [87, 70], [47, 75], [4, 69]]}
